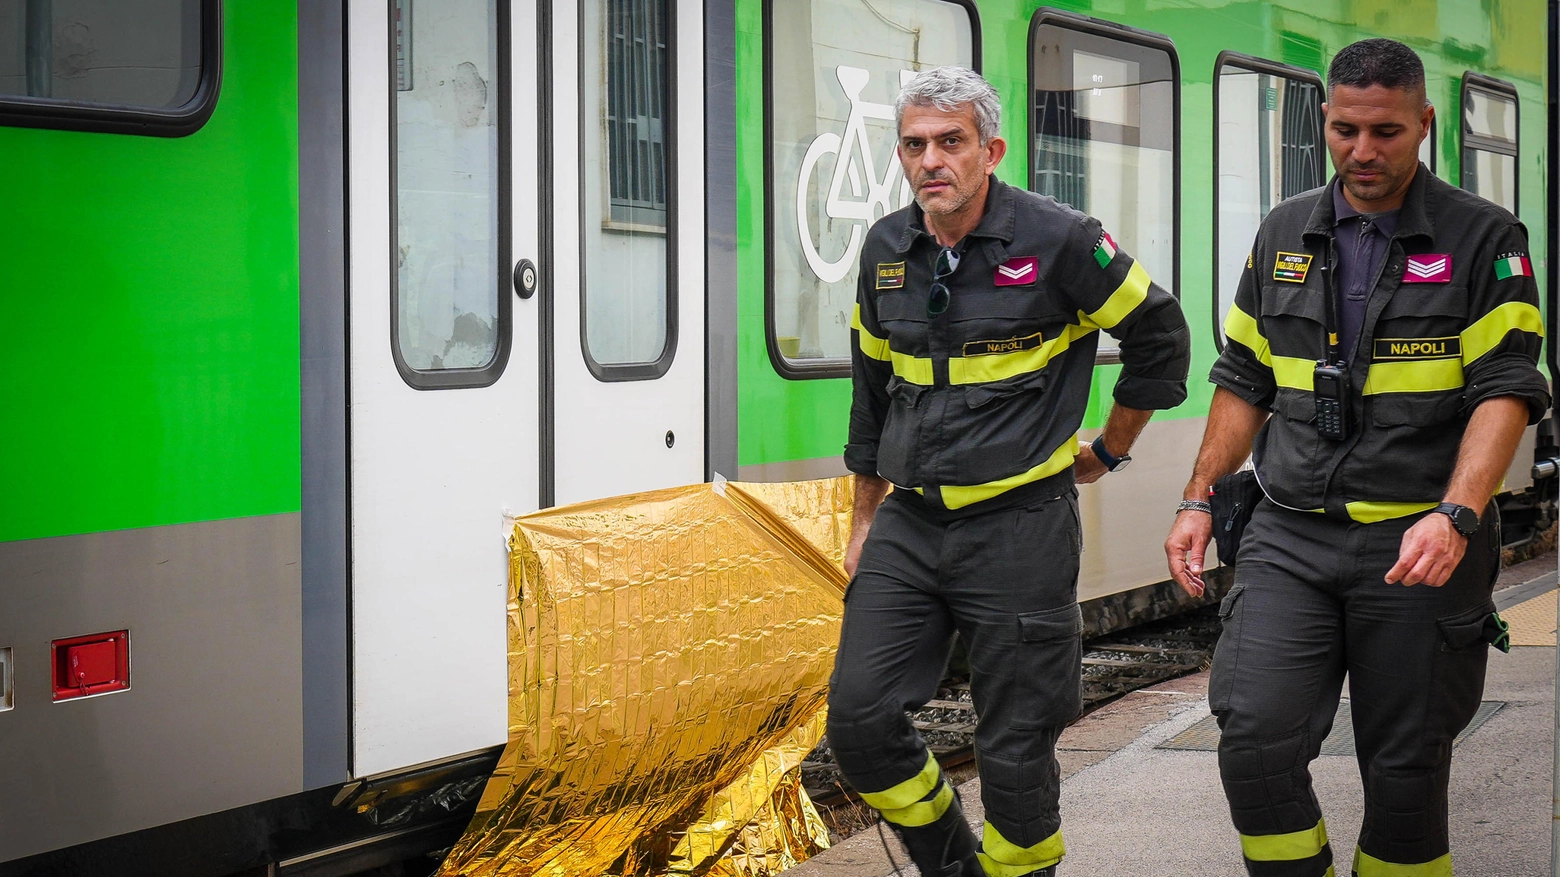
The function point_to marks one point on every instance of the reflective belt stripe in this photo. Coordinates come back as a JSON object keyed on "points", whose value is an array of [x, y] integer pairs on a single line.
{"points": [[915, 369], [957, 497], [871, 345], [1003, 858], [1414, 376], [908, 792], [1488, 331], [1285, 847], [999, 366], [1124, 300], [1370, 866], [1241, 326], [1294, 372], [1372, 512], [1329, 872], [922, 812]]}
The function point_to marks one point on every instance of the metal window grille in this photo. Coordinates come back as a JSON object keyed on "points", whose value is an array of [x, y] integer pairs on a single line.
{"points": [[637, 60], [1301, 143]]}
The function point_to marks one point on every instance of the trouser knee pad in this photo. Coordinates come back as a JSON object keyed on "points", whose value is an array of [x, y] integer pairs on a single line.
{"points": [[1268, 784], [875, 746], [1405, 815]]}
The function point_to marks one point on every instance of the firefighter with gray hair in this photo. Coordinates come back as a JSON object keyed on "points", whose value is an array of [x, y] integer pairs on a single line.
{"points": [[978, 315]]}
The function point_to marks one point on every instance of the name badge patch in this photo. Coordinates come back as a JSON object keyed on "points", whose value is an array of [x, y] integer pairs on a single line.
{"points": [[1418, 348], [1008, 345], [1291, 267], [890, 275], [1428, 268], [1018, 271]]}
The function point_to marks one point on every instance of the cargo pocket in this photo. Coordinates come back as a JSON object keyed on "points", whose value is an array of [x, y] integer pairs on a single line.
{"points": [[899, 443], [1226, 655], [1460, 660], [1046, 668]]}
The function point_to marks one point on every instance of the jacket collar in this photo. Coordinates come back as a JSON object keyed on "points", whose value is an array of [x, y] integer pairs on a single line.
{"points": [[1414, 218], [997, 223]]}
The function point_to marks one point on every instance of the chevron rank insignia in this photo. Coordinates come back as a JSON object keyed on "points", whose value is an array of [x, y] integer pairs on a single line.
{"points": [[1513, 265], [1291, 267], [1018, 271], [1428, 268]]}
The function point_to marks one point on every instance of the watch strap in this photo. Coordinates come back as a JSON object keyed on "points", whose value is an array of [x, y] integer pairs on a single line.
{"points": [[1465, 519], [1111, 463]]}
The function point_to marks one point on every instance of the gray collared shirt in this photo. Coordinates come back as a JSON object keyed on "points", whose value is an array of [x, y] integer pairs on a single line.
{"points": [[1363, 241]]}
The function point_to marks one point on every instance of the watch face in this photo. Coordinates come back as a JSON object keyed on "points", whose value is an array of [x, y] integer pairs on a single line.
{"points": [[1466, 520], [1122, 463]]}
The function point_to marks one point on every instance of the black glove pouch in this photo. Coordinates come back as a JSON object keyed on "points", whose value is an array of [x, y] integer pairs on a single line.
{"points": [[1234, 498]]}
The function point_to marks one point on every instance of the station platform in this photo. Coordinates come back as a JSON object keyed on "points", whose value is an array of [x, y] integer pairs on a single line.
{"points": [[1133, 807]]}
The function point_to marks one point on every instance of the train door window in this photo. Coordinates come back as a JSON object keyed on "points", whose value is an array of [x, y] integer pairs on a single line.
{"points": [[450, 319], [1269, 146], [1489, 130], [834, 69], [626, 131], [150, 67], [1104, 122]]}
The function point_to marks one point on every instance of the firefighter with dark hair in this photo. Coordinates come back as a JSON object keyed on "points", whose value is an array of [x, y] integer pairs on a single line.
{"points": [[979, 310], [1380, 367]]}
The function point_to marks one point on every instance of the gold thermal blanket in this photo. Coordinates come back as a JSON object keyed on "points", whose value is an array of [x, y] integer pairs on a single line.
{"points": [[669, 655]]}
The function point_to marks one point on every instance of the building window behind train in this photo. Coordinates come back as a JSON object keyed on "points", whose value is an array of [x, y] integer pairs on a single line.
{"points": [[450, 321], [1269, 146], [106, 65], [1104, 127], [627, 137], [835, 67], [1489, 130]]}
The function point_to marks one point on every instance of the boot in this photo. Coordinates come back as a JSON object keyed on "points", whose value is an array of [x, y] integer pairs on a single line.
{"points": [[945, 848]]}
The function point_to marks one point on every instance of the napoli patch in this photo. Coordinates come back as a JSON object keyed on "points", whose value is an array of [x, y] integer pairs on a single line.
{"points": [[1418, 348], [1291, 267], [890, 275], [1005, 345], [1428, 268], [1017, 271]]}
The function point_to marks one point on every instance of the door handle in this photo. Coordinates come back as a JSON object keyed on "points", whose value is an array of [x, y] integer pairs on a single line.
{"points": [[525, 278]]}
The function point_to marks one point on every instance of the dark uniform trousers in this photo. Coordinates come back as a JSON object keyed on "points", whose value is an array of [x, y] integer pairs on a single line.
{"points": [[1309, 605], [1006, 581]]}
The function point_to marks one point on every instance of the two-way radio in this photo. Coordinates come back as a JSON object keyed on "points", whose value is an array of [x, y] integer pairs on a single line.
{"points": [[1330, 380]]}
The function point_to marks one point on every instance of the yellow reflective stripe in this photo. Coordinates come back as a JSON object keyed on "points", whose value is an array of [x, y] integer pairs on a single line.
{"points": [[1488, 330], [1370, 866], [1294, 372], [1124, 300], [957, 497], [1241, 326], [908, 792], [1003, 858], [1000, 366], [1414, 376], [1329, 872], [922, 812], [1285, 847], [1371, 512], [915, 369], [871, 345]]}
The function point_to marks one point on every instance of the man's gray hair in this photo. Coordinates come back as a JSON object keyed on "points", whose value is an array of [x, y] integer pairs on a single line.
{"points": [[948, 89]]}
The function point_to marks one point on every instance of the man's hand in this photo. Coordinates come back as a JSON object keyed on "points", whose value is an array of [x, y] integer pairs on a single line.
{"points": [[1186, 547], [1431, 550], [858, 538], [1087, 468], [870, 491]]}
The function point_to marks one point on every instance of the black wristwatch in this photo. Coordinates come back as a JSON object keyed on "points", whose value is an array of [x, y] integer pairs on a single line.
{"points": [[1112, 464], [1466, 520]]}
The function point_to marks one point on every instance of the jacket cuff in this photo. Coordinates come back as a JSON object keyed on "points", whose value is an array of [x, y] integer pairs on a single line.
{"points": [[1255, 389], [1519, 379], [861, 458], [1149, 394]]}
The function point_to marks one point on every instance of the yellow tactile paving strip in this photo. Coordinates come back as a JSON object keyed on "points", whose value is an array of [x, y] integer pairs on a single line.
{"points": [[1533, 622]]}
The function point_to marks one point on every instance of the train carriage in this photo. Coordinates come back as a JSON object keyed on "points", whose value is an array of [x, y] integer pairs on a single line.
{"points": [[304, 299]]}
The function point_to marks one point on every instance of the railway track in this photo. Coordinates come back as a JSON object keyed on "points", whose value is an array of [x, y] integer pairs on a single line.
{"points": [[1113, 665]]}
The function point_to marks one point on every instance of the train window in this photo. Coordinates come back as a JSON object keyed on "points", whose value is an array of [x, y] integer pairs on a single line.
{"points": [[626, 128], [1104, 124], [450, 318], [1489, 130], [151, 67], [834, 69], [1268, 146]]}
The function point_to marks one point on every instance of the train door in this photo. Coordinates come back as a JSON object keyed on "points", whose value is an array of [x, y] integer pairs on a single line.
{"points": [[444, 376], [625, 271]]}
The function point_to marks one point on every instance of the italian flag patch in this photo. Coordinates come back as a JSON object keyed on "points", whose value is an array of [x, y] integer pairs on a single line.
{"points": [[1513, 265], [1105, 250]]}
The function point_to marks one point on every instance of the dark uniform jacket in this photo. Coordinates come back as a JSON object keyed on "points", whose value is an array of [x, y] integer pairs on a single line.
{"points": [[987, 397], [1452, 320]]}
